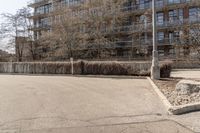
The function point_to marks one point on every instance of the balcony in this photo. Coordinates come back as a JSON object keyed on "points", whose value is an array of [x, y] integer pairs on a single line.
{"points": [[122, 44], [39, 27], [178, 23], [35, 3], [159, 5], [136, 28], [141, 27], [145, 42], [39, 15]]}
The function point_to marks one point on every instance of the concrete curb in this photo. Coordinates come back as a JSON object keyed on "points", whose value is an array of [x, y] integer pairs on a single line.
{"points": [[79, 76], [182, 109], [175, 110], [161, 95]]}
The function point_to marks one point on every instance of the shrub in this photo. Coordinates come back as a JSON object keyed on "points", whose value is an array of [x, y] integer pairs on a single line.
{"points": [[137, 68], [104, 68], [78, 67], [165, 69], [85, 67]]}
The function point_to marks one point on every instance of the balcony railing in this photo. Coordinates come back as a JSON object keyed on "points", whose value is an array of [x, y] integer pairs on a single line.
{"points": [[40, 26], [31, 2], [174, 23], [159, 4], [141, 27], [131, 8], [35, 14], [134, 43]]}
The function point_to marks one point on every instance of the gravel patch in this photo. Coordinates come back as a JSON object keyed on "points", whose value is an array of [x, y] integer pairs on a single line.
{"points": [[167, 87]]}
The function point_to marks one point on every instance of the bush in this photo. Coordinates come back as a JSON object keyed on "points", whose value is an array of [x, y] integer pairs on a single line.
{"points": [[86, 67], [116, 68], [104, 68], [137, 68], [165, 69]]}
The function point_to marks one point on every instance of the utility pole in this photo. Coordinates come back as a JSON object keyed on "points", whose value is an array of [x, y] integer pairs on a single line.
{"points": [[155, 69]]}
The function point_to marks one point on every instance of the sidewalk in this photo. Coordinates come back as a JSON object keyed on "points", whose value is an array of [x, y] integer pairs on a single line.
{"points": [[186, 73]]}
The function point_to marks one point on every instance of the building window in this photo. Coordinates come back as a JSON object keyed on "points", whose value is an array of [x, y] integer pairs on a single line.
{"points": [[161, 36], [159, 3], [180, 15], [144, 4], [173, 16], [160, 18], [174, 1], [176, 16], [194, 14], [43, 9]]}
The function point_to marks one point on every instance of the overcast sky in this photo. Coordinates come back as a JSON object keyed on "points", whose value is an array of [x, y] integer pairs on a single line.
{"points": [[10, 6]]}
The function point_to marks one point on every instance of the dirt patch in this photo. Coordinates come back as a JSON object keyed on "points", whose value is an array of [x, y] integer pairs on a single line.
{"points": [[167, 87]]}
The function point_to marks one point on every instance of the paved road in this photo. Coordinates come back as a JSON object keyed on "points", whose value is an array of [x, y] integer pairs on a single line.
{"points": [[58, 104], [187, 73]]}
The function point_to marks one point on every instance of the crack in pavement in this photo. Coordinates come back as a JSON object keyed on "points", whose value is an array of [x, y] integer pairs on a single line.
{"points": [[87, 121], [91, 122], [105, 125], [145, 128], [124, 116]]}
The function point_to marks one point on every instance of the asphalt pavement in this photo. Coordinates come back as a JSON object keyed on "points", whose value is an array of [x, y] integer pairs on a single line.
{"points": [[60, 104]]}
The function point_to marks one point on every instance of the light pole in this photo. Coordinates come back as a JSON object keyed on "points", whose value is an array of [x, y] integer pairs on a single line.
{"points": [[155, 69]]}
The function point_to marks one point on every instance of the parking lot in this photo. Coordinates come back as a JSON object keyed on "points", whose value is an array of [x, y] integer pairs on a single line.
{"points": [[42, 104]]}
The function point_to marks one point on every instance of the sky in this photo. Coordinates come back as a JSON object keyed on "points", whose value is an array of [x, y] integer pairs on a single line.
{"points": [[10, 6]]}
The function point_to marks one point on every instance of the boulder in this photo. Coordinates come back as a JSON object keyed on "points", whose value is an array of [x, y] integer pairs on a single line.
{"points": [[187, 87]]}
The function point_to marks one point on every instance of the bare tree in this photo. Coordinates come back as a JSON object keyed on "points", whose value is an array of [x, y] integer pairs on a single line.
{"points": [[15, 28], [102, 19], [195, 39], [189, 40], [64, 37], [83, 30], [67, 33]]}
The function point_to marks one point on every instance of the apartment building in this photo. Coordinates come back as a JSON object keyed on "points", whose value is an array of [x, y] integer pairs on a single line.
{"points": [[173, 16], [41, 15]]}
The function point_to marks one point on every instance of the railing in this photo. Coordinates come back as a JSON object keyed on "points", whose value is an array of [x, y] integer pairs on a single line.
{"points": [[31, 2], [133, 43], [159, 4], [173, 23], [131, 8], [40, 26], [141, 27], [35, 14], [149, 42]]}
